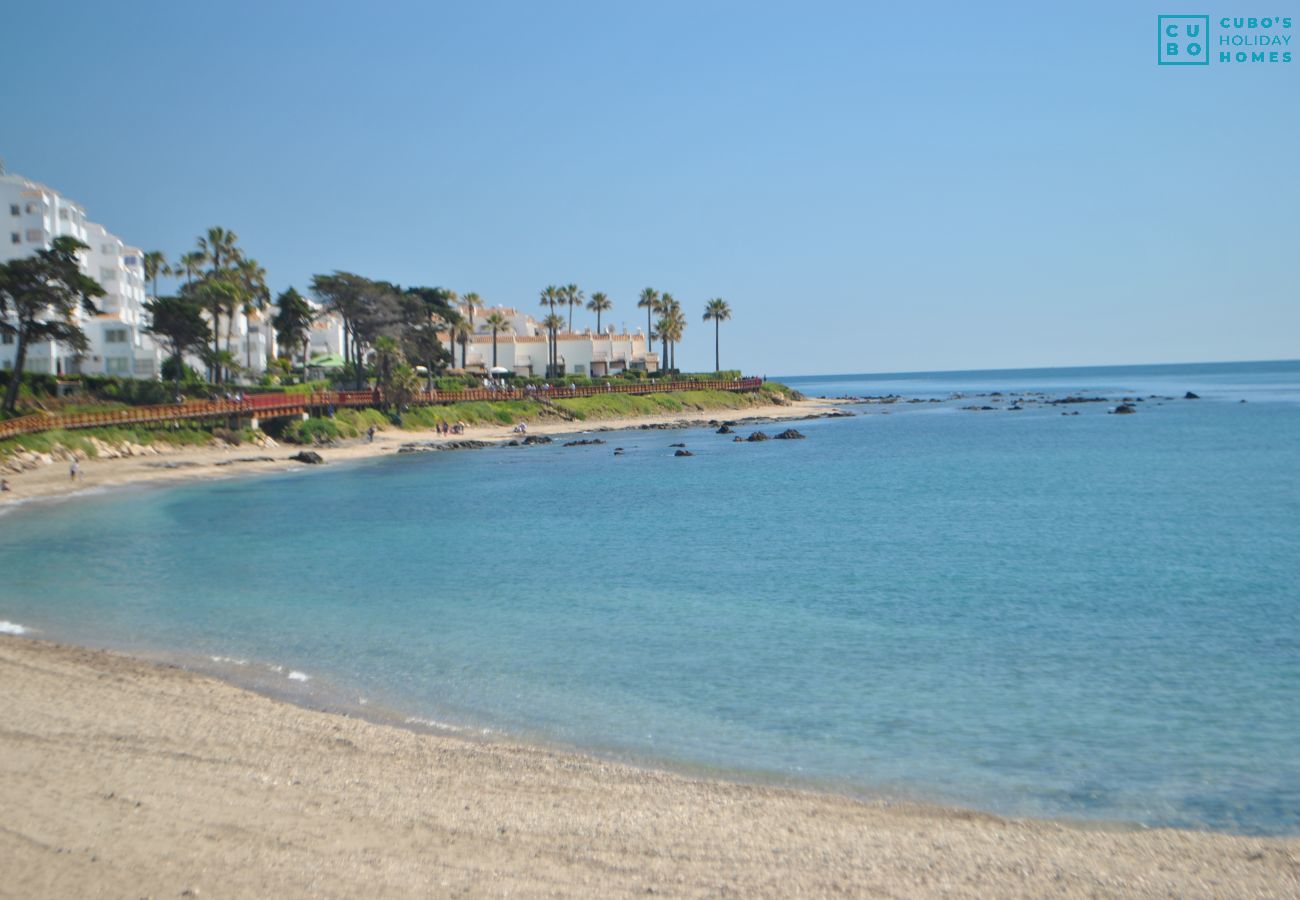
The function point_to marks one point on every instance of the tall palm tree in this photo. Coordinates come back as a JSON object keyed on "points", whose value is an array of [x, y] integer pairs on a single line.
{"points": [[573, 297], [189, 265], [471, 300], [717, 311], [155, 264], [497, 321], [676, 325], [649, 301], [598, 304], [458, 333], [553, 324], [667, 302], [219, 249], [550, 296]]}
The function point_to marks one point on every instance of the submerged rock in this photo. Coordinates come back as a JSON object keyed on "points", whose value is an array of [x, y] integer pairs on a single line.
{"points": [[725, 429], [536, 439], [790, 435], [738, 440], [310, 457], [585, 442], [683, 453], [1125, 409], [676, 445]]}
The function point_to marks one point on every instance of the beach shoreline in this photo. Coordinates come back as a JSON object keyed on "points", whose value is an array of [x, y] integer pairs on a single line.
{"points": [[123, 776], [182, 464]]}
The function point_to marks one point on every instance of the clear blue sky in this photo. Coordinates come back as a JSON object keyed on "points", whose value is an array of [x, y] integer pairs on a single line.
{"points": [[873, 187]]}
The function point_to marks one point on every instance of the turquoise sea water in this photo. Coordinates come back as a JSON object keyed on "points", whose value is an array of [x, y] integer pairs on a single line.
{"points": [[1089, 616]]}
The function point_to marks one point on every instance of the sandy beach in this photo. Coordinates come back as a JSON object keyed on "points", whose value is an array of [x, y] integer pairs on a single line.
{"points": [[123, 778], [190, 463]]}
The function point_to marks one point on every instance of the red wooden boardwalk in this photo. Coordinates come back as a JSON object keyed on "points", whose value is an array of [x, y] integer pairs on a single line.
{"points": [[269, 406]]}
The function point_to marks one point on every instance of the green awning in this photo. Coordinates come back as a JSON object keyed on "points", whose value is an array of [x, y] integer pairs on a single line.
{"points": [[327, 361]]}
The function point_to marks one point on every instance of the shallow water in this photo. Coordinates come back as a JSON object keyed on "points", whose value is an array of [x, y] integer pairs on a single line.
{"points": [[1088, 616]]}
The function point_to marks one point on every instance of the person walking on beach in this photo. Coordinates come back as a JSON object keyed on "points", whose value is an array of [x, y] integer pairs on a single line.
{"points": [[370, 435], [74, 470]]}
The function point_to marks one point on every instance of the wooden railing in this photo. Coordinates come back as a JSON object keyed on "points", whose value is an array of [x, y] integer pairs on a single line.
{"points": [[269, 406]]}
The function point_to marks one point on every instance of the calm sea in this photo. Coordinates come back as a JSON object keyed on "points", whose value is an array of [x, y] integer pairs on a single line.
{"points": [[1081, 616]]}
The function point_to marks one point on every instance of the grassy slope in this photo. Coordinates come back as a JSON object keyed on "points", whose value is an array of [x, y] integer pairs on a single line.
{"points": [[351, 423]]}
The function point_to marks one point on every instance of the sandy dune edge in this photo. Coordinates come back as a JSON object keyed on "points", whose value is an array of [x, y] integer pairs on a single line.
{"points": [[122, 778]]}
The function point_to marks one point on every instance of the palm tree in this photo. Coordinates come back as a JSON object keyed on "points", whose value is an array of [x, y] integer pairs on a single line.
{"points": [[573, 297], [218, 247], [718, 312], [471, 300], [553, 324], [598, 304], [665, 305], [497, 321], [676, 325], [155, 264], [458, 333], [550, 296], [649, 301], [190, 264]]}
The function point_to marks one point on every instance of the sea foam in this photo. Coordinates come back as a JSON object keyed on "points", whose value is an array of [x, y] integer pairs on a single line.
{"points": [[12, 628]]}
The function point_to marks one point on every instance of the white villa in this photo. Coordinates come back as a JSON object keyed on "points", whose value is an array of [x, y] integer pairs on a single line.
{"points": [[35, 215], [522, 347]]}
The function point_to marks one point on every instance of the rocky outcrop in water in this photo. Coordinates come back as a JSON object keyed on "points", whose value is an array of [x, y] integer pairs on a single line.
{"points": [[585, 442], [757, 436], [309, 457], [536, 439], [683, 453], [433, 446], [790, 435], [1125, 409], [1190, 396], [725, 429]]}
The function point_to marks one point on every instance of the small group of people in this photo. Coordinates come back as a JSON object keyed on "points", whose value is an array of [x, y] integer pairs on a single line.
{"points": [[521, 428], [448, 428]]}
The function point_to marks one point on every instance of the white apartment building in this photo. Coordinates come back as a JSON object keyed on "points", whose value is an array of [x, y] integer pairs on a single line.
{"points": [[522, 348], [35, 215]]}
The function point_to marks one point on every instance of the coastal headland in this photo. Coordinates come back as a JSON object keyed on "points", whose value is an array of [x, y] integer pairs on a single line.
{"points": [[119, 777]]}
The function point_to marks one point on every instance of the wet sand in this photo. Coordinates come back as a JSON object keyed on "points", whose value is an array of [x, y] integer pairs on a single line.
{"points": [[120, 777]]}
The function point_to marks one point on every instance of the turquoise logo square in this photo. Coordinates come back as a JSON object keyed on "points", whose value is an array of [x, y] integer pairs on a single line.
{"points": [[1183, 40]]}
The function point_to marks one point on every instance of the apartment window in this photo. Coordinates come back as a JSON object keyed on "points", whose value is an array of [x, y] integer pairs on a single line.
{"points": [[35, 236], [32, 207], [13, 209], [106, 274], [63, 214], [16, 238], [131, 260], [118, 365], [6, 338], [115, 336]]}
